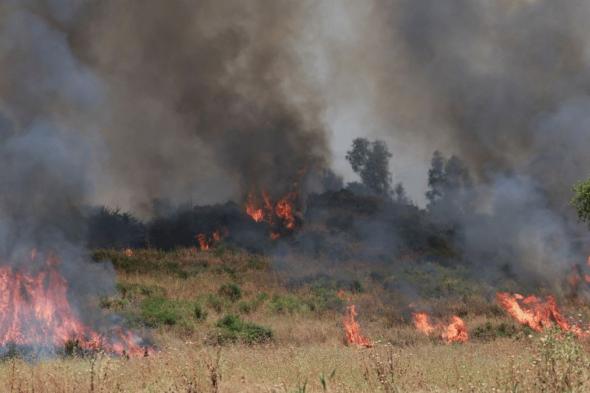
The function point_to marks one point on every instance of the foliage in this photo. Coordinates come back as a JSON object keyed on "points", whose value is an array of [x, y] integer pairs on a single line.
{"points": [[581, 200], [111, 228], [370, 160], [449, 182], [232, 292], [232, 329], [561, 362]]}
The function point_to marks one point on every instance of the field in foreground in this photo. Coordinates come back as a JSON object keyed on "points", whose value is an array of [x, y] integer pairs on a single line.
{"points": [[225, 321]]}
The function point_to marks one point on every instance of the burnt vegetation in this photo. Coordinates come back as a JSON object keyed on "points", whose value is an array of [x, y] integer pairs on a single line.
{"points": [[372, 218]]}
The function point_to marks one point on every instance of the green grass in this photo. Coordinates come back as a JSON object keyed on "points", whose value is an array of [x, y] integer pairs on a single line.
{"points": [[234, 329]]}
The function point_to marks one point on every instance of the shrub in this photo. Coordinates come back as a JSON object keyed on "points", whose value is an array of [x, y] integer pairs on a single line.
{"points": [[199, 313], [232, 329], [232, 292], [561, 363], [215, 302], [159, 311], [287, 304]]}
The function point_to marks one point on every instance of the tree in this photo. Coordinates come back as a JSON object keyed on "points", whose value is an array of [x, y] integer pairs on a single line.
{"points": [[370, 160], [449, 183], [581, 200]]}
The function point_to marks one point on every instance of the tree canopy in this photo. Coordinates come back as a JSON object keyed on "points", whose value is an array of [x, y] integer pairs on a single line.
{"points": [[581, 200], [370, 160]]}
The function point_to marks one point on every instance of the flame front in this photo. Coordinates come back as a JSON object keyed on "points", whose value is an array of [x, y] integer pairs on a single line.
{"points": [[35, 312], [352, 329], [535, 313]]}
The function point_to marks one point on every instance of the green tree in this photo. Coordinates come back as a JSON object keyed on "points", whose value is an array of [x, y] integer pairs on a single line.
{"points": [[370, 160], [449, 184], [581, 200]]}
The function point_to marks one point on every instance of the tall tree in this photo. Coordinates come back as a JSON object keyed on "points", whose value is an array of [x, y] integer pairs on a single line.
{"points": [[449, 183], [370, 160], [581, 200]]}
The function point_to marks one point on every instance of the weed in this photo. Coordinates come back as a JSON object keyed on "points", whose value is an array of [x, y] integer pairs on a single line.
{"points": [[232, 292], [233, 329]]}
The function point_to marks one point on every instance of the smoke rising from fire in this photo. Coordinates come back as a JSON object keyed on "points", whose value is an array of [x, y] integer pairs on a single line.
{"points": [[211, 100]]}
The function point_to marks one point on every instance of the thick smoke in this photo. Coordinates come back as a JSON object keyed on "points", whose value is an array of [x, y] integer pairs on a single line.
{"points": [[205, 98], [501, 84]]}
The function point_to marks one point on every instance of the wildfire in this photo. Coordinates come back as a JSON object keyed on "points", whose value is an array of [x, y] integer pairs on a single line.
{"points": [[422, 323], [207, 242], [454, 332], [535, 313], [352, 329], [279, 215], [35, 312]]}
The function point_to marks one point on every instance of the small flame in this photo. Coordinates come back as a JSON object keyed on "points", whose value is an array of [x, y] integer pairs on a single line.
{"points": [[352, 329], [128, 252], [207, 242]]}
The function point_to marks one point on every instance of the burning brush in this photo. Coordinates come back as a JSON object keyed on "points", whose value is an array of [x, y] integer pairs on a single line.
{"points": [[453, 332], [352, 330], [536, 313], [35, 313], [280, 215]]}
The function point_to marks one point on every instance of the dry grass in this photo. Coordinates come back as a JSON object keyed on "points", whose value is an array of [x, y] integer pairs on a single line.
{"points": [[307, 353]]}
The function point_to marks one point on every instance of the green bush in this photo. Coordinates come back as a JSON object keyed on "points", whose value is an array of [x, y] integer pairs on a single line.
{"points": [[561, 363], [215, 302], [199, 313], [287, 304], [233, 329], [246, 307], [232, 292], [159, 311]]}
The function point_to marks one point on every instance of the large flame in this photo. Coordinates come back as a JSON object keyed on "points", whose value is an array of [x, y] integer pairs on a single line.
{"points": [[536, 313], [352, 329], [422, 323], [453, 332], [456, 331], [35, 313], [280, 215]]}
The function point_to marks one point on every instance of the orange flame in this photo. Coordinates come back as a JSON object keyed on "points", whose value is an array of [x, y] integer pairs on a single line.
{"points": [[454, 332], [206, 242], [35, 311], [279, 214], [422, 322], [284, 210], [535, 313], [352, 329]]}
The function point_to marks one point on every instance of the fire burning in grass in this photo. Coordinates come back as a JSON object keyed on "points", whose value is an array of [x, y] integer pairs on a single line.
{"points": [[35, 313], [352, 329], [536, 313], [454, 332]]}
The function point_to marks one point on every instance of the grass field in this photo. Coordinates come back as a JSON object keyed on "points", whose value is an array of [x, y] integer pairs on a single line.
{"points": [[225, 321]]}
